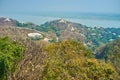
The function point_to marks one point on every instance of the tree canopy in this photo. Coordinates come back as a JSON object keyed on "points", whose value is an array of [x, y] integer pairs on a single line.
{"points": [[10, 54], [70, 60]]}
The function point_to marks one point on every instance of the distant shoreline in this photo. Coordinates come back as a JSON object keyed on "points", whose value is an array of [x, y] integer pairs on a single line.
{"points": [[88, 20]]}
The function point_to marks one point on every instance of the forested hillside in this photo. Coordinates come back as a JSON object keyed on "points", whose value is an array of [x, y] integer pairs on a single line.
{"points": [[63, 60], [90, 36], [66, 50], [111, 53], [62, 29]]}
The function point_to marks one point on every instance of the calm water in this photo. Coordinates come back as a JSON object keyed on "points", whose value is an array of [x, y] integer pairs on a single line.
{"points": [[91, 20]]}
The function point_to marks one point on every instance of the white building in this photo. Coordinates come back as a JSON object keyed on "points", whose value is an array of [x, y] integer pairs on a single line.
{"points": [[35, 35]]}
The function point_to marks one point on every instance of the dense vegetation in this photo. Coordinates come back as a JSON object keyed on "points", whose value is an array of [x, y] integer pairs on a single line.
{"points": [[70, 60], [111, 53], [10, 54]]}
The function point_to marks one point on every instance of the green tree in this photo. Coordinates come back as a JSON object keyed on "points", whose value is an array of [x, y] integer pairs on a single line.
{"points": [[70, 60], [10, 54], [111, 53]]}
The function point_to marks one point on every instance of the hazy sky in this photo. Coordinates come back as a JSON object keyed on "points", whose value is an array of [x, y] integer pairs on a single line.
{"points": [[92, 6]]}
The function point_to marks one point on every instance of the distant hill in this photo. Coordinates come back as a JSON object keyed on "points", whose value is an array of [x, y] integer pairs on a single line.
{"points": [[17, 30], [62, 29], [90, 36], [4, 21]]}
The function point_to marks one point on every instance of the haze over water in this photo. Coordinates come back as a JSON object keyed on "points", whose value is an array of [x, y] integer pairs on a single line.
{"points": [[103, 13], [90, 20]]}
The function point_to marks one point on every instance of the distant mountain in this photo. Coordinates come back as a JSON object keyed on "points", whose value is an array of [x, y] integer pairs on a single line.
{"points": [[4, 21]]}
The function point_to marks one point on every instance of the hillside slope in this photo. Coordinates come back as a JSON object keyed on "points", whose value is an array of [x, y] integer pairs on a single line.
{"points": [[63, 59], [61, 29], [111, 53], [67, 60], [90, 36]]}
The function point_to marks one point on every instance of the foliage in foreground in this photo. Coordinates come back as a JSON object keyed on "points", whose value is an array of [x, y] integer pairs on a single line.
{"points": [[111, 53], [66, 60], [70, 60], [10, 54]]}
